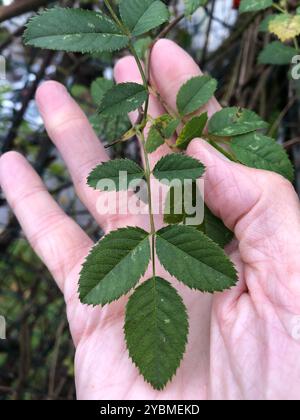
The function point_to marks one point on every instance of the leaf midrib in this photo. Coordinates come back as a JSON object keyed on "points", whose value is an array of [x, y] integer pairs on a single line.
{"points": [[80, 33]]}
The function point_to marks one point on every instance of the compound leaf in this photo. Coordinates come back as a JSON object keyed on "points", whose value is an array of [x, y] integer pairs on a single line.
{"points": [[156, 330]]}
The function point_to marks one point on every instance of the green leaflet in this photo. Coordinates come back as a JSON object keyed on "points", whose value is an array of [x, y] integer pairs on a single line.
{"points": [[181, 204], [192, 5], [111, 170], [193, 129], [234, 121], [99, 87], [174, 210], [166, 125], [194, 259], [264, 25], [142, 16], [179, 167], [156, 330], [122, 98], [75, 30], [277, 53], [108, 128], [154, 140], [195, 93], [214, 228], [114, 266], [262, 152], [163, 128], [254, 5], [141, 46]]}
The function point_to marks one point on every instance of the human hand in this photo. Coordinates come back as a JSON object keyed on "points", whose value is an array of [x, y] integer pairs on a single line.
{"points": [[244, 343]]}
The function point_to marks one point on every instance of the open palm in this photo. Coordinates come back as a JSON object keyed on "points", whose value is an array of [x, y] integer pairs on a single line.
{"points": [[244, 343]]}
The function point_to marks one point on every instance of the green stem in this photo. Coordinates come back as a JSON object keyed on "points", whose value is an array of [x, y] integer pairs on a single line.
{"points": [[145, 81], [278, 8], [151, 216], [115, 17], [140, 130], [139, 64], [133, 52], [222, 150]]}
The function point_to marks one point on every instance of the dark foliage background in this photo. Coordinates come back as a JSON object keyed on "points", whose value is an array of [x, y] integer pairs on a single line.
{"points": [[36, 360]]}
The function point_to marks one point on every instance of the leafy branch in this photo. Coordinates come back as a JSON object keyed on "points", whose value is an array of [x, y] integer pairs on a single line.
{"points": [[156, 322]]}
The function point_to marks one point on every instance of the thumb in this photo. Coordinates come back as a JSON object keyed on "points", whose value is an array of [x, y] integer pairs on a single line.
{"points": [[262, 208], [231, 189]]}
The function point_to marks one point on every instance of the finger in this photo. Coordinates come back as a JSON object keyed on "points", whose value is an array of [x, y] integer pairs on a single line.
{"points": [[126, 70], [57, 239], [263, 209], [171, 67], [72, 134]]}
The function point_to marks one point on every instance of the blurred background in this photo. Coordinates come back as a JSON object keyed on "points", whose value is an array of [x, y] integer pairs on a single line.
{"points": [[36, 359]]}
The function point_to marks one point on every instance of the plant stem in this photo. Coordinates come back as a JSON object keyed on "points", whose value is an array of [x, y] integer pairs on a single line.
{"points": [[151, 217], [140, 130], [169, 27], [145, 81], [222, 150], [115, 17], [278, 8]]}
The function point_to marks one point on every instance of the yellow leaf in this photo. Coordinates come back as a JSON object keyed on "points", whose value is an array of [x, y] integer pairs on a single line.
{"points": [[285, 26]]}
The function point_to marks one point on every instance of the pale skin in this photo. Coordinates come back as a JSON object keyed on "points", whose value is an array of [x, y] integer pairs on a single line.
{"points": [[244, 343]]}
